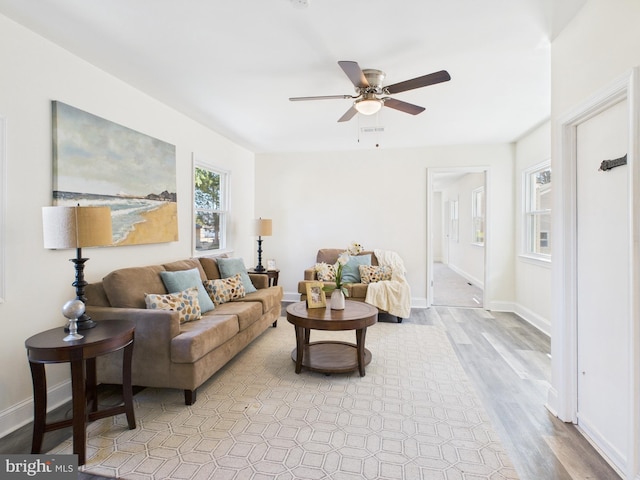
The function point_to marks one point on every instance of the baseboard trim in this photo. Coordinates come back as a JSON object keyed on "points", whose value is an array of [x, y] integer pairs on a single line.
{"points": [[291, 297], [501, 306], [538, 321], [21, 414], [475, 281]]}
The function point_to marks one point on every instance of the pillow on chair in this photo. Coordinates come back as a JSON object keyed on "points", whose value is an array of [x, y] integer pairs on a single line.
{"points": [[372, 274], [351, 272]]}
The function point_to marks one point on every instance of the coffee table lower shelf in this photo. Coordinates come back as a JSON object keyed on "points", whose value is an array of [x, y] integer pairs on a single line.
{"points": [[331, 357]]}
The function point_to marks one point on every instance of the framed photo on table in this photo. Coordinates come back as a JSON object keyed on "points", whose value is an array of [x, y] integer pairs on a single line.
{"points": [[271, 264], [316, 297]]}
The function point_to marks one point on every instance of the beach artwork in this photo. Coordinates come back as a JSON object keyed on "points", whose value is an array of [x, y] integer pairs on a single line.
{"points": [[100, 163]]}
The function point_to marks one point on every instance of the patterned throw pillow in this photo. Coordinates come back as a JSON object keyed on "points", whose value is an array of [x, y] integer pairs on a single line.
{"points": [[185, 303], [372, 274], [325, 272], [225, 289]]}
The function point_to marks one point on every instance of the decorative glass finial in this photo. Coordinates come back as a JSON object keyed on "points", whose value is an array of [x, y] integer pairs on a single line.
{"points": [[73, 310]]}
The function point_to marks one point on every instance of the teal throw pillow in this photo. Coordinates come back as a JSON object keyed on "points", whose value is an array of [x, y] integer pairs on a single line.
{"points": [[182, 279], [233, 266], [351, 270]]}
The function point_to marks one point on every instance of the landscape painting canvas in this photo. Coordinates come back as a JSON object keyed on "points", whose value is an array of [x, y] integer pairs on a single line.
{"points": [[100, 163]]}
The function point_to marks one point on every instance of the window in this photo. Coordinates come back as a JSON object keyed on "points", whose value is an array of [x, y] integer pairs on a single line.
{"points": [[210, 207], [477, 215], [537, 231], [453, 214]]}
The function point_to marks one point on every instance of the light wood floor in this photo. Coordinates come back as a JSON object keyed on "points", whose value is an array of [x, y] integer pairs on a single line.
{"points": [[508, 361]]}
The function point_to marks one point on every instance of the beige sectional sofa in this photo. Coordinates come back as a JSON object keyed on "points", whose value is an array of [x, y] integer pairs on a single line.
{"points": [[168, 353], [356, 291]]}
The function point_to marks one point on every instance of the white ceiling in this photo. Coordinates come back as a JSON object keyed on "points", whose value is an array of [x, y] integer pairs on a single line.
{"points": [[233, 65]]}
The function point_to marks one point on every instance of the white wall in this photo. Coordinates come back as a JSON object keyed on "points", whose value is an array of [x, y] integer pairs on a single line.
{"points": [[533, 277], [38, 281], [378, 198]]}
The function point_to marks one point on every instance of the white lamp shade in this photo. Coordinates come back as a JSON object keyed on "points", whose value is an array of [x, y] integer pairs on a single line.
{"points": [[76, 227], [263, 227]]}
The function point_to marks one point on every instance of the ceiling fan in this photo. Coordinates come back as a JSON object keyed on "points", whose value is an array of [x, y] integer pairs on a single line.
{"points": [[369, 89]]}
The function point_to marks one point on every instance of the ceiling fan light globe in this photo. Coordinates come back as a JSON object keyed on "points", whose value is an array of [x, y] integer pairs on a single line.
{"points": [[368, 106]]}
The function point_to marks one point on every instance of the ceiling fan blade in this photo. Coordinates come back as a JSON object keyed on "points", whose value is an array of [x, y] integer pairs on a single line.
{"points": [[325, 97], [354, 72], [349, 114], [418, 82], [403, 106]]}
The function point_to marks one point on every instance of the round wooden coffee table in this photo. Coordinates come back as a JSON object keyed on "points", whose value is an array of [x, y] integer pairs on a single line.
{"points": [[330, 356]]}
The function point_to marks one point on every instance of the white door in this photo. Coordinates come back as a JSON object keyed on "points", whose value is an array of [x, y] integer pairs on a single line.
{"points": [[603, 282]]}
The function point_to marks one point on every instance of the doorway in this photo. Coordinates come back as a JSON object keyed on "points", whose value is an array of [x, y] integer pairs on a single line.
{"points": [[603, 281], [595, 353], [457, 237]]}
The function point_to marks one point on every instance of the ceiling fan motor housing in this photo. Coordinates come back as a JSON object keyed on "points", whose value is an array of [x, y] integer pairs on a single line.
{"points": [[375, 79]]}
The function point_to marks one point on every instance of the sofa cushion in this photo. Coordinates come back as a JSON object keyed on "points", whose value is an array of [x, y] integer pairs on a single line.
{"points": [[264, 296], [248, 313], [125, 288], [96, 296], [232, 266], [186, 264], [330, 255], [351, 271], [178, 281], [185, 303], [196, 339], [225, 289], [210, 266], [372, 273], [357, 290]]}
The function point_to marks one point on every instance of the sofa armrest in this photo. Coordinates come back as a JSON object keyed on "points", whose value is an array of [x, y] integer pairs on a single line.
{"points": [[154, 329], [310, 274], [259, 280]]}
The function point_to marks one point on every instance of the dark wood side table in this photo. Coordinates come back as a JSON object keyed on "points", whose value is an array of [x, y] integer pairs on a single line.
{"points": [[329, 356], [48, 347], [272, 274]]}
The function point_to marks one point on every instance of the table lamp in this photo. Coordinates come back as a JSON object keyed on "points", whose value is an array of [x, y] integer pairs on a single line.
{"points": [[263, 229], [77, 227]]}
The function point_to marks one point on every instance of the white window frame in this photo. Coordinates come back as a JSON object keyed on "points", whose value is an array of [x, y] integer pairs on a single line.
{"points": [[455, 223], [223, 211], [478, 212], [528, 213]]}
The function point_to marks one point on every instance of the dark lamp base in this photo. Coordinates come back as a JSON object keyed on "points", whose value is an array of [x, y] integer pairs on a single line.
{"points": [[260, 268]]}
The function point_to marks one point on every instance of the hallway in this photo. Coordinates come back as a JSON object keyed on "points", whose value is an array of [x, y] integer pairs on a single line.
{"points": [[452, 290]]}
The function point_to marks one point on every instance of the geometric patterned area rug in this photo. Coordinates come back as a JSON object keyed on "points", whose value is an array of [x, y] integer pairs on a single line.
{"points": [[414, 415]]}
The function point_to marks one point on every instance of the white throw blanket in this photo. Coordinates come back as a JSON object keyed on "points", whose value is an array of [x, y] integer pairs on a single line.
{"points": [[393, 296]]}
